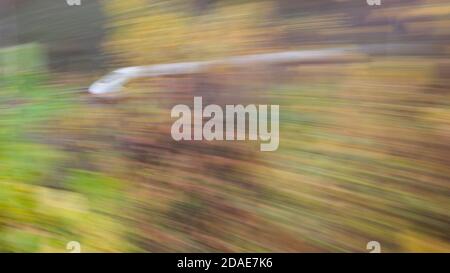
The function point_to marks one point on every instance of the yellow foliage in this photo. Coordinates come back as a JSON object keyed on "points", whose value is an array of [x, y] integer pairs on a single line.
{"points": [[155, 35]]}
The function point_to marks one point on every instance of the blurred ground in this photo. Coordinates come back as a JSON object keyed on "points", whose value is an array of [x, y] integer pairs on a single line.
{"points": [[364, 142]]}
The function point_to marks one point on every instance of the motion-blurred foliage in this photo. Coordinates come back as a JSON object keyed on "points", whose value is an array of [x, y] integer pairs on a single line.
{"points": [[43, 202], [363, 153], [161, 32]]}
